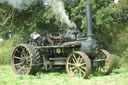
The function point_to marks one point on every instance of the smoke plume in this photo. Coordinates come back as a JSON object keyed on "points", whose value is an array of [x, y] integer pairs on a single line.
{"points": [[20, 4], [56, 5], [58, 8]]}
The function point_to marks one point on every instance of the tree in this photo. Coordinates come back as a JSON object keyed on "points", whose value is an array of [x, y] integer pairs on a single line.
{"points": [[105, 15]]}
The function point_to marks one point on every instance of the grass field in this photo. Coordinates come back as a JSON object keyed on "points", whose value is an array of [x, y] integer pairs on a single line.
{"points": [[8, 77], [5, 52]]}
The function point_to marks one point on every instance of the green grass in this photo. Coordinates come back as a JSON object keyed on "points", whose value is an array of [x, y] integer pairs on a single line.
{"points": [[5, 51], [8, 77]]}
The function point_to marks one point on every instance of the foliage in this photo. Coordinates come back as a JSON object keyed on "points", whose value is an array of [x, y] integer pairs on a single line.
{"points": [[109, 21], [41, 18], [106, 17], [117, 61]]}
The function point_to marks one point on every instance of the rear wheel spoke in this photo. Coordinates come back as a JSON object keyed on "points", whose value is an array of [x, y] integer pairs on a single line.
{"points": [[23, 50], [17, 57], [21, 68], [26, 69], [18, 51], [18, 64], [27, 54]]}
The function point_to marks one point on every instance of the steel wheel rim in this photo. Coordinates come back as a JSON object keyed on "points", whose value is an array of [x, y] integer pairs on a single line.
{"points": [[107, 68], [76, 66], [102, 68], [21, 60], [31, 42]]}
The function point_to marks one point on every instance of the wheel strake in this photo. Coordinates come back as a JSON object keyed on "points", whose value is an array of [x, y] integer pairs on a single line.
{"points": [[26, 59]]}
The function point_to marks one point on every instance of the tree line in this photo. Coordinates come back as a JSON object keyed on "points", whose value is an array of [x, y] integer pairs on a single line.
{"points": [[106, 19]]}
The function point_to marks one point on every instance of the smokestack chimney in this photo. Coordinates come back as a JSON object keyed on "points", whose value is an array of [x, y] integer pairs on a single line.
{"points": [[88, 8]]}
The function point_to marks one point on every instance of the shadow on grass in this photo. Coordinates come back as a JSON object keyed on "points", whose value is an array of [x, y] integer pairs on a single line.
{"points": [[54, 73], [64, 73], [99, 74]]}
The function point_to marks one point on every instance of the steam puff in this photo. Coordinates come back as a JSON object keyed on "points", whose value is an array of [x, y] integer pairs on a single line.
{"points": [[56, 5], [19, 4], [59, 10]]}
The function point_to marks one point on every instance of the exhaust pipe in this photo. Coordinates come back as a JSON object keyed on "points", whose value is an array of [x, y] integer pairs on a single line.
{"points": [[88, 13]]}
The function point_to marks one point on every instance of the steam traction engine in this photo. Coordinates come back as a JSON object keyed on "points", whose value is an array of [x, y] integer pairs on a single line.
{"points": [[78, 55]]}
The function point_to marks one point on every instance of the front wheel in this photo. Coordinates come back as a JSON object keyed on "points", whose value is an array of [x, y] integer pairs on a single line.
{"points": [[108, 62], [78, 65]]}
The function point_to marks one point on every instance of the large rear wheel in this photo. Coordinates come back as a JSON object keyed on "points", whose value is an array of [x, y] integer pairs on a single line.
{"points": [[26, 59]]}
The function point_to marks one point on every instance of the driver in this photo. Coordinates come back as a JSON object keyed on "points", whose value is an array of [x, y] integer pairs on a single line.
{"points": [[34, 35]]}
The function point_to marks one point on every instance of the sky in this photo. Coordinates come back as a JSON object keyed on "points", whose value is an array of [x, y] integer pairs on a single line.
{"points": [[116, 1]]}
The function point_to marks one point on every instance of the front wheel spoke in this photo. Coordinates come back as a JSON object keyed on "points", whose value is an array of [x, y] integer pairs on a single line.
{"points": [[73, 60], [71, 64], [72, 68], [81, 70], [74, 57], [83, 64], [78, 59], [73, 72]]}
